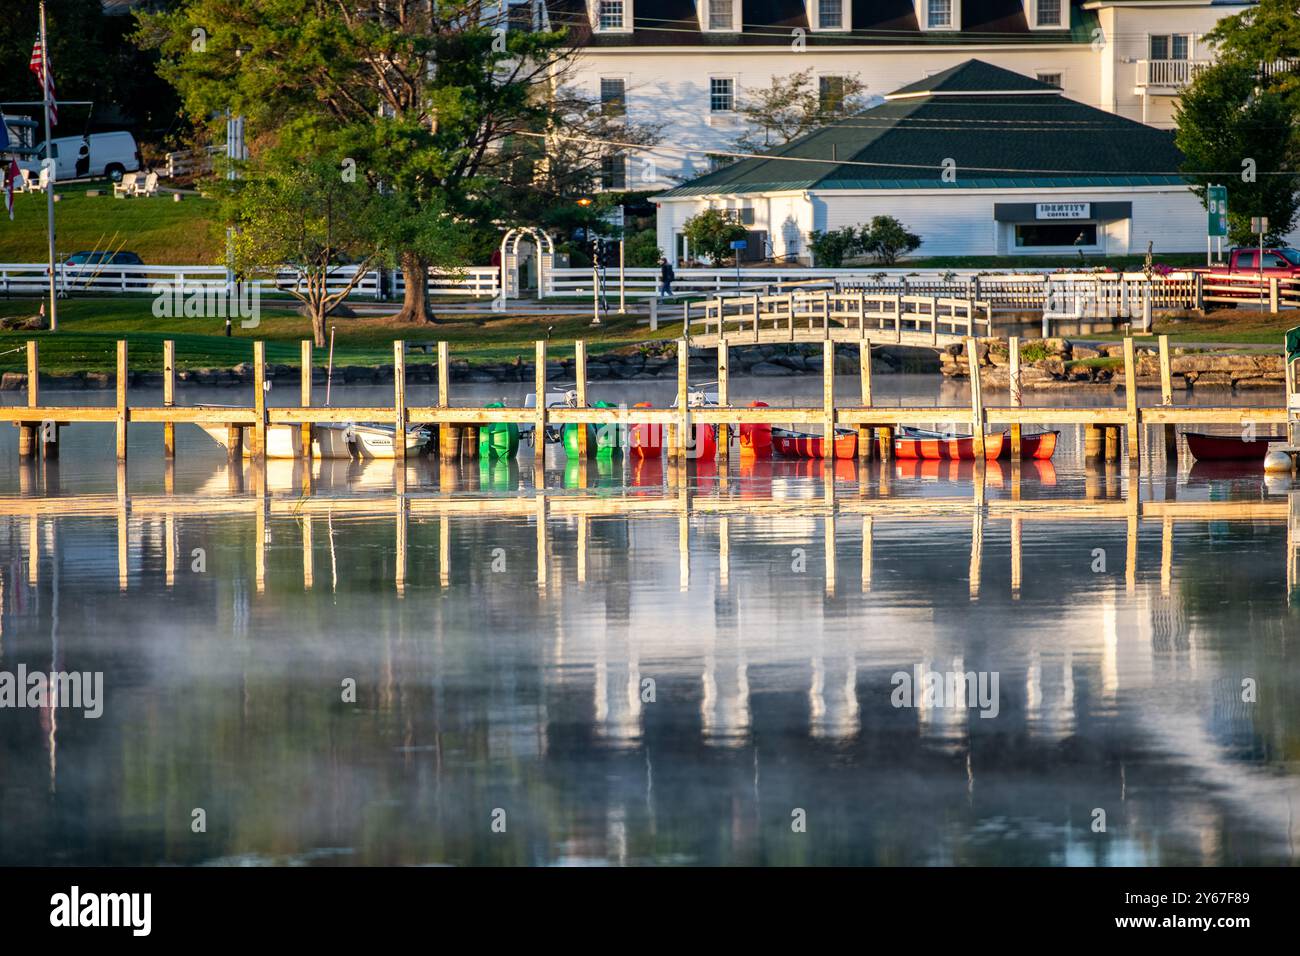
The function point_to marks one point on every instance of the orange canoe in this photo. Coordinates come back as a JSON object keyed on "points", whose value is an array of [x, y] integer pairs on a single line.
{"points": [[961, 448]]}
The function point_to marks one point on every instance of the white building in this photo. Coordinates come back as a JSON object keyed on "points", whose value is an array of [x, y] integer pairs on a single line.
{"points": [[976, 160], [685, 64]]}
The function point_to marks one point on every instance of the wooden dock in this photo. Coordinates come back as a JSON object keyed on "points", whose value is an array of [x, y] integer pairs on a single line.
{"points": [[39, 424]]}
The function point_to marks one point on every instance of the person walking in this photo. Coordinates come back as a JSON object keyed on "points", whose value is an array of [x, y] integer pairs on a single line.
{"points": [[666, 277]]}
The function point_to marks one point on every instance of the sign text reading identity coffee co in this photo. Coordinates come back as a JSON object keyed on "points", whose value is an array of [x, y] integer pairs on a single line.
{"points": [[1063, 210]]}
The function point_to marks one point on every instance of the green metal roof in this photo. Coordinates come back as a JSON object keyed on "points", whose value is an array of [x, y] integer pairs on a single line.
{"points": [[1015, 134]]}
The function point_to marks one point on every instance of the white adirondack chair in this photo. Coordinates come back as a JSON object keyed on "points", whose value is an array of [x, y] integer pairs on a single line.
{"points": [[22, 183], [126, 187], [147, 187], [44, 182]]}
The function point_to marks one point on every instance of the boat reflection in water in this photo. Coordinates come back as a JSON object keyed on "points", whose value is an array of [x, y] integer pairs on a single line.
{"points": [[651, 662]]}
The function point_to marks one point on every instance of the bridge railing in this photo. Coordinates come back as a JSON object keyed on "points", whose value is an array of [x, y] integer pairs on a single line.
{"points": [[810, 314]]}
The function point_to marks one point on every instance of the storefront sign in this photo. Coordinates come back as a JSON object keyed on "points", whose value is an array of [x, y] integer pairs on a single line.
{"points": [[1063, 210]]}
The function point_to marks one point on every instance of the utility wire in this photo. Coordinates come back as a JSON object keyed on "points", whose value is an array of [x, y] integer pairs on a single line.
{"points": [[696, 151]]}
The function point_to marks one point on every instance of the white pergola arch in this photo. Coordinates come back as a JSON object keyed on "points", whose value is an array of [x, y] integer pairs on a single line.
{"points": [[510, 254]]}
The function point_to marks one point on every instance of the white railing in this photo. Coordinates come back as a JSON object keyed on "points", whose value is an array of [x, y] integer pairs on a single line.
{"points": [[1274, 67], [1170, 73], [803, 314], [642, 282], [1100, 294], [192, 162], [477, 281]]}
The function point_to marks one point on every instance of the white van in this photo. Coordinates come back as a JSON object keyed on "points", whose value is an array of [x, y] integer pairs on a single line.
{"points": [[97, 155]]}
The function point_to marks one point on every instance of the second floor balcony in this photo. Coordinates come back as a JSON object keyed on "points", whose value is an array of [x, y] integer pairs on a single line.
{"points": [[1170, 76], [1167, 76]]}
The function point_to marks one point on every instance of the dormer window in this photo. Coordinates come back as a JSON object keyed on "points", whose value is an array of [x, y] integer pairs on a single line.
{"points": [[612, 16], [720, 16], [1047, 14], [830, 15], [938, 14]]}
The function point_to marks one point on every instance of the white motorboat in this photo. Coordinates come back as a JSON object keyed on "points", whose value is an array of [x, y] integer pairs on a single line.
{"points": [[330, 440], [376, 441], [285, 441]]}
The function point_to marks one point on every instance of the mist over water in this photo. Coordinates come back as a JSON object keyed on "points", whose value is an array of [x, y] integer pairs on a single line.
{"points": [[501, 669]]}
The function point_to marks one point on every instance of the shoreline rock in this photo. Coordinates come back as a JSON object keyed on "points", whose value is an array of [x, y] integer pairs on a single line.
{"points": [[1074, 365]]}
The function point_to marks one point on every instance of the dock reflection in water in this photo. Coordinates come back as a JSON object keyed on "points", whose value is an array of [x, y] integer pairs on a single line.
{"points": [[643, 664]]}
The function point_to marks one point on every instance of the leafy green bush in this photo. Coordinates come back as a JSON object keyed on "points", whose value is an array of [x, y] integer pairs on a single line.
{"points": [[886, 239], [711, 232], [830, 249], [642, 248]]}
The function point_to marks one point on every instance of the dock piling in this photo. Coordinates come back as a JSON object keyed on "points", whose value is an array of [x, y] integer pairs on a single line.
{"points": [[681, 441], [539, 422], [1013, 355], [580, 386], [976, 398], [304, 394], [864, 371], [33, 374], [724, 397], [169, 396], [444, 400], [1167, 398], [121, 416], [828, 403], [1130, 399], [399, 403], [259, 399]]}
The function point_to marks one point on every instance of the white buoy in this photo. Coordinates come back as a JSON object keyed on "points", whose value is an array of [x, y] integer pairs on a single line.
{"points": [[1276, 461]]}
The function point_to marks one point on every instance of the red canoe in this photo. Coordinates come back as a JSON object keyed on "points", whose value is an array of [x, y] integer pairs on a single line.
{"points": [[1227, 447], [1040, 445], [939, 447], [801, 445]]}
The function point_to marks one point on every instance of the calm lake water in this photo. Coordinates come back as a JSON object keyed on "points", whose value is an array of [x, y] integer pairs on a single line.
{"points": [[709, 679]]}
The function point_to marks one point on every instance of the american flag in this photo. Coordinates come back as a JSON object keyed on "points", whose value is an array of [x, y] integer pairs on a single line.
{"points": [[40, 66]]}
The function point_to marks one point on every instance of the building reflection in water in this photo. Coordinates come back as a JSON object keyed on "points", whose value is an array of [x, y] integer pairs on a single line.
{"points": [[621, 716]]}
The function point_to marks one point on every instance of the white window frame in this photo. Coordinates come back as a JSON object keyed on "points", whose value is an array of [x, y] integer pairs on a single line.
{"points": [[830, 75], [814, 11], [600, 80], [1031, 15], [1191, 46], [702, 8], [604, 187], [734, 94], [1050, 71], [594, 10], [922, 8]]}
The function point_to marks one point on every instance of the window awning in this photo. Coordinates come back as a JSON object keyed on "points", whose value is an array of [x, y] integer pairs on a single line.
{"points": [[1028, 211]]}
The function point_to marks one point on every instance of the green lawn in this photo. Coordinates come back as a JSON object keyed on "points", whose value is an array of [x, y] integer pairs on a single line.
{"points": [[163, 232], [1232, 325], [89, 329]]}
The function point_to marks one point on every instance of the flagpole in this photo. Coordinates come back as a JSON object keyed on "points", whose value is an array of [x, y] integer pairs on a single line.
{"points": [[49, 187]]}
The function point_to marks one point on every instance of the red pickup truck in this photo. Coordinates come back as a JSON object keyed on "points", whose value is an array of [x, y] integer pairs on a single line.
{"points": [[1279, 261], [1240, 279]]}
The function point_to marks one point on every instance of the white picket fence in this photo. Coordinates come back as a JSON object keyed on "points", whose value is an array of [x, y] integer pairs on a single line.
{"points": [[477, 281], [1073, 294]]}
